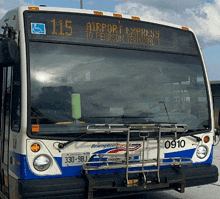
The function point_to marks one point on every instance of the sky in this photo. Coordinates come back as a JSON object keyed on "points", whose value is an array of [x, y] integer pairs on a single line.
{"points": [[203, 16]]}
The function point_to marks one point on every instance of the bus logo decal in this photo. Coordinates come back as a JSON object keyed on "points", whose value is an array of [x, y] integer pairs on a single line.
{"points": [[38, 28], [120, 148], [132, 147]]}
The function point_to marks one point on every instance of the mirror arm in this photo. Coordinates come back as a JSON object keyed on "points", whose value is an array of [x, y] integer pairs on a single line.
{"points": [[217, 131], [8, 31]]}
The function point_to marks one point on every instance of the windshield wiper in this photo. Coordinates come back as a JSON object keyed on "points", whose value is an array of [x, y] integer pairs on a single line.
{"points": [[198, 139], [153, 122], [63, 145], [122, 117], [192, 131], [165, 110]]}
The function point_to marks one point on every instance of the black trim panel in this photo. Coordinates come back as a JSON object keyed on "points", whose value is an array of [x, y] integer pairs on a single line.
{"points": [[102, 186]]}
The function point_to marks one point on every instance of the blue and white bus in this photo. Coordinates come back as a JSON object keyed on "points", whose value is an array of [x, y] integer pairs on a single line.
{"points": [[98, 105]]}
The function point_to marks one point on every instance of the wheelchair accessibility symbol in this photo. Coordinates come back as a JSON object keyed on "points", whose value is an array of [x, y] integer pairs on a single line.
{"points": [[38, 28]]}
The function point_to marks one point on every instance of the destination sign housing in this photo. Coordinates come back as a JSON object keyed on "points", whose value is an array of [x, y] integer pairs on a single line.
{"points": [[107, 31]]}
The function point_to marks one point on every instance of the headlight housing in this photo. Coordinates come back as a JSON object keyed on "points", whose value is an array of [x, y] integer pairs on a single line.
{"points": [[42, 162], [202, 151]]}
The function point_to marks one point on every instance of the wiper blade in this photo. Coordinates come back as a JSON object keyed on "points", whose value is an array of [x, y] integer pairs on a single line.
{"points": [[198, 139], [153, 122], [63, 145], [192, 131], [123, 116]]}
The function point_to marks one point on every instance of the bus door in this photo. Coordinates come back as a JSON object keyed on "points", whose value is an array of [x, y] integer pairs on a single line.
{"points": [[6, 74]]}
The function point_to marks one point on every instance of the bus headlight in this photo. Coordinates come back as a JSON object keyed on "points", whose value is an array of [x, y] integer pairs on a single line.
{"points": [[201, 151], [42, 162]]}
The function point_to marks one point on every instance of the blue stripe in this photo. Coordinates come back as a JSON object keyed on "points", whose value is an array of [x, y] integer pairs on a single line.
{"points": [[184, 154], [22, 170], [188, 154]]}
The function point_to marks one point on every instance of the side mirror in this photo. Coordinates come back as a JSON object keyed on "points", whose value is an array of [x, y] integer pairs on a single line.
{"points": [[218, 119], [217, 132], [9, 53]]}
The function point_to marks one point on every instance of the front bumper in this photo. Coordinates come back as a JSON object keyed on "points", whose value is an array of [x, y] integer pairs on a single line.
{"points": [[112, 185]]}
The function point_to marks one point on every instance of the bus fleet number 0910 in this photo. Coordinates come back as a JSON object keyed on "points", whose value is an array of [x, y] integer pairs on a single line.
{"points": [[175, 144]]}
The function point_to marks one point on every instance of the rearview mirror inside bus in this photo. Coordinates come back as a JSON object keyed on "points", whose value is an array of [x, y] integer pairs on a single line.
{"points": [[8, 52]]}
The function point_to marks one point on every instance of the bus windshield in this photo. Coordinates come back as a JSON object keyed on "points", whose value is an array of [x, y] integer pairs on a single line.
{"points": [[73, 86]]}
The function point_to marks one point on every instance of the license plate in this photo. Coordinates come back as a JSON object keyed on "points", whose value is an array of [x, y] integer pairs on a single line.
{"points": [[71, 159]]}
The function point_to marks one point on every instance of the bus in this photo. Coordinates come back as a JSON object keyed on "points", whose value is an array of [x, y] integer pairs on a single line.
{"points": [[215, 87], [98, 105]]}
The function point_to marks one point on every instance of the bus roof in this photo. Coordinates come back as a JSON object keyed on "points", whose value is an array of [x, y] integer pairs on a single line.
{"points": [[92, 12]]}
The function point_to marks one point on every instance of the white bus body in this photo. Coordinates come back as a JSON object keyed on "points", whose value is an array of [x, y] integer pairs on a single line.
{"points": [[96, 104]]}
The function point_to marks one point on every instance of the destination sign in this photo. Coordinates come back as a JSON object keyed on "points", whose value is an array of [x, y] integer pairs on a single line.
{"points": [[107, 31]]}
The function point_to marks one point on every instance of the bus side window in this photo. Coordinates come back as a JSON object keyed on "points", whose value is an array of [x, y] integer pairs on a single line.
{"points": [[218, 119], [1, 77], [216, 104], [16, 99]]}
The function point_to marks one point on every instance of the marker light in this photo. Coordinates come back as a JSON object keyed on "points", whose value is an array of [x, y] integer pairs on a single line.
{"points": [[206, 139], [35, 147], [201, 151], [185, 28], [42, 162], [35, 128], [33, 8], [136, 18], [117, 15], [98, 13]]}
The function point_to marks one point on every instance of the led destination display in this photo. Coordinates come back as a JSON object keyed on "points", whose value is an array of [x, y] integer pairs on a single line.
{"points": [[108, 31]]}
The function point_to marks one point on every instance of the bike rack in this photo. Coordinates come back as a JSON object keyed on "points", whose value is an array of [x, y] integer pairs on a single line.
{"points": [[126, 161]]}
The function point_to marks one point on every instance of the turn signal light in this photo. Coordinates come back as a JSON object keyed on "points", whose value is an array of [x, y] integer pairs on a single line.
{"points": [[206, 139], [35, 147]]}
